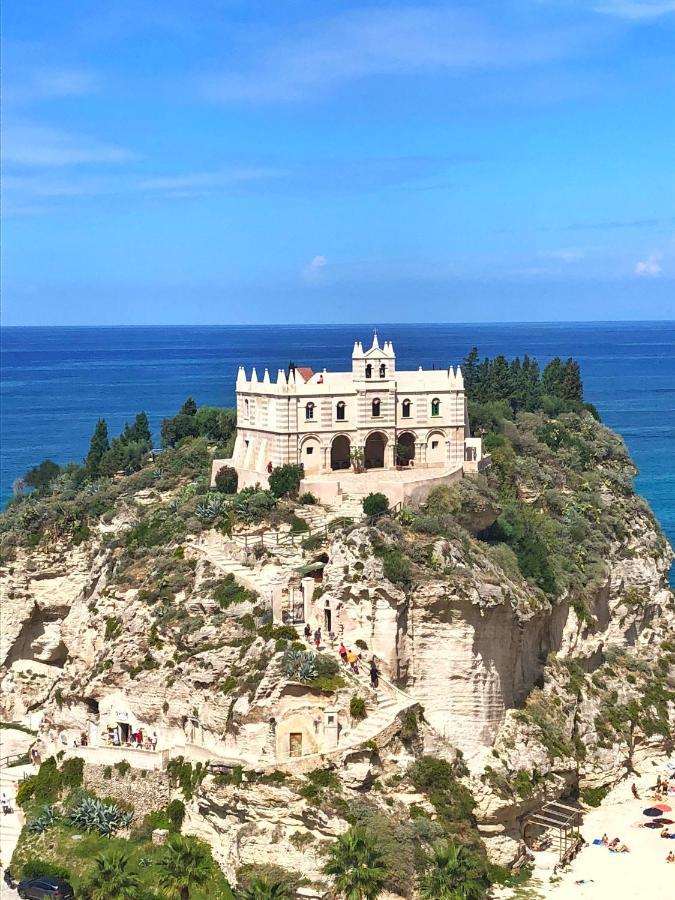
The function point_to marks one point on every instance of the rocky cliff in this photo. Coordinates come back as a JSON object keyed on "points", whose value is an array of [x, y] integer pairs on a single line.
{"points": [[527, 612]]}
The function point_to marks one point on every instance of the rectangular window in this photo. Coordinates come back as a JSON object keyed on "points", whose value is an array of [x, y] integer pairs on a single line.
{"points": [[434, 445], [309, 451]]}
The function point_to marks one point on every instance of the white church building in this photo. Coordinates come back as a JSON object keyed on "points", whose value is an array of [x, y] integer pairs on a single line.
{"points": [[373, 417]]}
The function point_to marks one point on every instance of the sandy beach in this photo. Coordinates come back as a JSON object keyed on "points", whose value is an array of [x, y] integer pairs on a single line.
{"points": [[643, 872]]}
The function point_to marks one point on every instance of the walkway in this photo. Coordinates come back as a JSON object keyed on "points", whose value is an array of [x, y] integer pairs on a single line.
{"points": [[11, 824]]}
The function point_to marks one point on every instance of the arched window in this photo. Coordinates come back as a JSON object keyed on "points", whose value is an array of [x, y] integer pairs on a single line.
{"points": [[435, 407], [246, 409], [369, 371], [340, 411], [383, 370], [376, 408], [309, 411], [405, 409]]}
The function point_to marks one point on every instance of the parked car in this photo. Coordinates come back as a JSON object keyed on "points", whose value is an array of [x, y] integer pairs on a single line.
{"points": [[46, 887]]}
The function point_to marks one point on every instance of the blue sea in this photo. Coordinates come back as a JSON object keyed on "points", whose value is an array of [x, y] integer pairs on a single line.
{"points": [[56, 382]]}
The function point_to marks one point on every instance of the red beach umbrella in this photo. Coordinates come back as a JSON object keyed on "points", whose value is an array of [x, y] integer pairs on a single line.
{"points": [[663, 807]]}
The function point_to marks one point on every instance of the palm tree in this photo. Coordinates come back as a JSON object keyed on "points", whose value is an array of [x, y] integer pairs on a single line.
{"points": [[453, 873], [111, 879], [186, 863], [356, 865], [265, 889]]}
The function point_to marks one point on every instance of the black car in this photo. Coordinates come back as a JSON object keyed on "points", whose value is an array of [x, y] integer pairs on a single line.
{"points": [[45, 888]]}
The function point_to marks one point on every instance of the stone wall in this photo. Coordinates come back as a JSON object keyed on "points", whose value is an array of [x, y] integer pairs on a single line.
{"points": [[146, 793]]}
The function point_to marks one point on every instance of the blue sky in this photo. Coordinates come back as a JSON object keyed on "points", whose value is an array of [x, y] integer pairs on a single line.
{"points": [[235, 161]]}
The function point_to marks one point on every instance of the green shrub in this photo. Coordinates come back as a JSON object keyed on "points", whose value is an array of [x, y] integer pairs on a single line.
{"points": [[25, 790], [313, 542], [278, 632], [228, 591], [361, 644], [34, 867], [357, 708], [226, 480], [285, 480], [396, 567], [375, 504], [307, 499], [298, 524], [409, 726], [113, 626], [175, 812], [594, 796], [185, 775], [122, 767], [47, 782], [71, 772]]}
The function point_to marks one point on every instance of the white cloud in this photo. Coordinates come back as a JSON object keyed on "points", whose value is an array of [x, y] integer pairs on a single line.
{"points": [[313, 271], [568, 255], [39, 83], [29, 144], [650, 267], [193, 183], [360, 43], [636, 9]]}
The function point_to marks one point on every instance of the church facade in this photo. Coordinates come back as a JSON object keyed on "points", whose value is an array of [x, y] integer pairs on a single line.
{"points": [[372, 417]]}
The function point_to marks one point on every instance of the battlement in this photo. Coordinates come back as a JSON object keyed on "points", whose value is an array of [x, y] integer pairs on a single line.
{"points": [[324, 382]]}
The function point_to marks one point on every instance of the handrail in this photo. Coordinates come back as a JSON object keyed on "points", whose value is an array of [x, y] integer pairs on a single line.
{"points": [[6, 761]]}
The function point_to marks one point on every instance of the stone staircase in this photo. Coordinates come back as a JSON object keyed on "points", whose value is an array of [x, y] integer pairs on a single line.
{"points": [[12, 823]]}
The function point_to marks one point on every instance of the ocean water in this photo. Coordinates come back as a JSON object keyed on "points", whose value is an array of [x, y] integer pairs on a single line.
{"points": [[56, 382]]}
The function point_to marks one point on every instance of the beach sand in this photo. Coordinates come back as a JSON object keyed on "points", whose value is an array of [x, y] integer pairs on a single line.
{"points": [[641, 873]]}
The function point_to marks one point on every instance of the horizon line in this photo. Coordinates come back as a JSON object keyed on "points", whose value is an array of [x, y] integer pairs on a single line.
{"points": [[371, 323]]}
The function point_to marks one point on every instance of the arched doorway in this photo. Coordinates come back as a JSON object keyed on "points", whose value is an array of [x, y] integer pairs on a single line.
{"points": [[436, 449], [310, 455], [405, 448], [339, 452], [374, 450]]}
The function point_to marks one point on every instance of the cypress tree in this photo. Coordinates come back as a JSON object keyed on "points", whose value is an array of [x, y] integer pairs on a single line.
{"points": [[470, 372], [141, 430], [552, 378], [571, 384], [98, 446]]}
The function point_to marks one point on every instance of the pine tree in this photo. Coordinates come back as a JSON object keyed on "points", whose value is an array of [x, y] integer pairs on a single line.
{"points": [[571, 384], [553, 377], [98, 446], [141, 430], [470, 372], [189, 408]]}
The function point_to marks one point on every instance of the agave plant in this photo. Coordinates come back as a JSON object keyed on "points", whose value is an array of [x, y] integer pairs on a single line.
{"points": [[185, 493], [92, 814], [300, 665], [307, 669], [47, 818], [292, 661], [210, 508]]}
